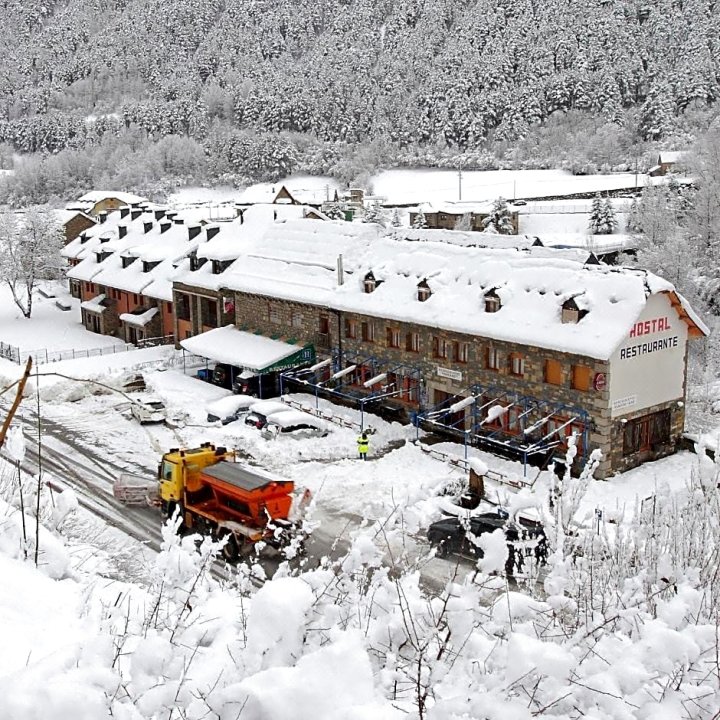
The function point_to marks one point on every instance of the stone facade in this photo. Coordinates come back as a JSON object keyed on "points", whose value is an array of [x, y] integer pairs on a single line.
{"points": [[197, 310]]}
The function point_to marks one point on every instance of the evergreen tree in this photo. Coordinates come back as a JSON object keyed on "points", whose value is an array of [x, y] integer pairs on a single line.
{"points": [[420, 222], [499, 221], [464, 223], [597, 216], [610, 222], [375, 213], [395, 222]]}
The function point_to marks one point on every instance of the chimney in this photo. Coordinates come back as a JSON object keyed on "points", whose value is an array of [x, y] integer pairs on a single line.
{"points": [[122, 231], [159, 214], [212, 231], [340, 272], [179, 221], [171, 214], [102, 216], [135, 214], [147, 226], [193, 231], [164, 226], [124, 211]]}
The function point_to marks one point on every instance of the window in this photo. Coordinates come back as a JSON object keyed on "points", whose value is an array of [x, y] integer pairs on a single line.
{"points": [[648, 433], [492, 301], [492, 359], [581, 377], [296, 318], [440, 347], [461, 352], [136, 300], [182, 307], [208, 312], [350, 329], [393, 337], [412, 342], [368, 332], [274, 314], [168, 308], [324, 325], [517, 364], [553, 372]]}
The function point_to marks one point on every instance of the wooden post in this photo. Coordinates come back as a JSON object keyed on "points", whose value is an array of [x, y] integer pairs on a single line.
{"points": [[16, 402]]}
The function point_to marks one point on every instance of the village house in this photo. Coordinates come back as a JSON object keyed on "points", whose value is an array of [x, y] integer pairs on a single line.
{"points": [[668, 161], [104, 201], [509, 349], [451, 215], [121, 270]]}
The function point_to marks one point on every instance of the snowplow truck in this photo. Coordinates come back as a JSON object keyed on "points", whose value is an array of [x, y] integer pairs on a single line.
{"points": [[226, 499]]}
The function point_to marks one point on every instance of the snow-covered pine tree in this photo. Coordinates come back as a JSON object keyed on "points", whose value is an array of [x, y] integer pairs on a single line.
{"points": [[464, 223], [375, 213], [597, 216], [499, 221], [610, 222], [395, 221], [419, 222]]}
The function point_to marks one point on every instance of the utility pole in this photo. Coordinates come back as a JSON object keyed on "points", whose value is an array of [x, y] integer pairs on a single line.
{"points": [[460, 182]]}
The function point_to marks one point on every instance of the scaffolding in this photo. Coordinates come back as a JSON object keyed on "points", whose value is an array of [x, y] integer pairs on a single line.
{"points": [[508, 423], [360, 381]]}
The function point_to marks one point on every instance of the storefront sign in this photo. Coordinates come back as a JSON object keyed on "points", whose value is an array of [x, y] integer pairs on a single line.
{"points": [[624, 402], [600, 381], [647, 327], [627, 353], [450, 374]]}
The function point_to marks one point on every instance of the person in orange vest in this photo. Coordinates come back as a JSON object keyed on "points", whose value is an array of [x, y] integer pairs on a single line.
{"points": [[363, 445]]}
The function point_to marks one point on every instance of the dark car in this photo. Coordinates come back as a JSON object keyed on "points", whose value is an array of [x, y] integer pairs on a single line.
{"points": [[224, 375], [450, 535], [262, 386]]}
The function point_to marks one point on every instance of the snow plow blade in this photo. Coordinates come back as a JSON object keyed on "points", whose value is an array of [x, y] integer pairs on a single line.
{"points": [[136, 490]]}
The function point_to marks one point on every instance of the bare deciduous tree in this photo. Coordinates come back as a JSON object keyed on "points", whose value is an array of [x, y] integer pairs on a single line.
{"points": [[30, 244]]}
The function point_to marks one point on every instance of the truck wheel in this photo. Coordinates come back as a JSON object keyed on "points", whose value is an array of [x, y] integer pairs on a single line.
{"points": [[231, 550]]}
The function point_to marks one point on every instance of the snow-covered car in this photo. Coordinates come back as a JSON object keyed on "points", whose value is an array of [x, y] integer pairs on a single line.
{"points": [[228, 409], [295, 424], [260, 410], [450, 535], [150, 410]]}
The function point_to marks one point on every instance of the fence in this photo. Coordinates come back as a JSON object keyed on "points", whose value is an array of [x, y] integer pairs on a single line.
{"points": [[42, 356]]}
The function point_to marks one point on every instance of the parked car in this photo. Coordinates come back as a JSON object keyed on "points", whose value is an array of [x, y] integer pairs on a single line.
{"points": [[149, 410], [450, 535], [228, 409], [264, 386], [224, 375], [260, 410], [295, 424]]}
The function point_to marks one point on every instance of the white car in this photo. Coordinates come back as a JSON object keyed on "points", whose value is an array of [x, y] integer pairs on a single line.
{"points": [[150, 410], [230, 408], [295, 424], [260, 410]]}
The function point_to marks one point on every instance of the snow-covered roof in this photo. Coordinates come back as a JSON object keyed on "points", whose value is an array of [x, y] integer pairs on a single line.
{"points": [[532, 284], [455, 208], [237, 347], [96, 196], [671, 156], [139, 319], [304, 189], [464, 238]]}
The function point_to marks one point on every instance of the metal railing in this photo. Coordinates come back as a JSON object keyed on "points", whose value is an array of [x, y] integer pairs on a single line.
{"points": [[44, 355]]}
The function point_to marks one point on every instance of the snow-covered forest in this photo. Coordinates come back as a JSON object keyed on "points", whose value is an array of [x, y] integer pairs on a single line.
{"points": [[139, 91]]}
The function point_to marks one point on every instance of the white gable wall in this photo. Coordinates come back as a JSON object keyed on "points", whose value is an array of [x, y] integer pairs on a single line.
{"points": [[648, 368]]}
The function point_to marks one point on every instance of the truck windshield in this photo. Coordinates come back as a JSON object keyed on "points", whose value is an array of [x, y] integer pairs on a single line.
{"points": [[166, 470]]}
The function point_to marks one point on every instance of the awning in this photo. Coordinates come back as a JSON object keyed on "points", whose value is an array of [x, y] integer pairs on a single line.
{"points": [[95, 305], [139, 319], [249, 351]]}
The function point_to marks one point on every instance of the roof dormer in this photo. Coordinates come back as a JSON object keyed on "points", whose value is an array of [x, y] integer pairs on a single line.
{"points": [[148, 265], [492, 301], [572, 312], [128, 260], [370, 282], [220, 266], [423, 290], [102, 255]]}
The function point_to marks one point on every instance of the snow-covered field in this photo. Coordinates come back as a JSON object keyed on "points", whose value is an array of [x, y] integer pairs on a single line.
{"points": [[378, 633]]}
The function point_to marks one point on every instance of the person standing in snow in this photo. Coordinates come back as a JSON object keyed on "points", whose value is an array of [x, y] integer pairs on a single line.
{"points": [[363, 445]]}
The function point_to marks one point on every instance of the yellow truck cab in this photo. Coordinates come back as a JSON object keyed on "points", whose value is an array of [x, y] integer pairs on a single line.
{"points": [[178, 467]]}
